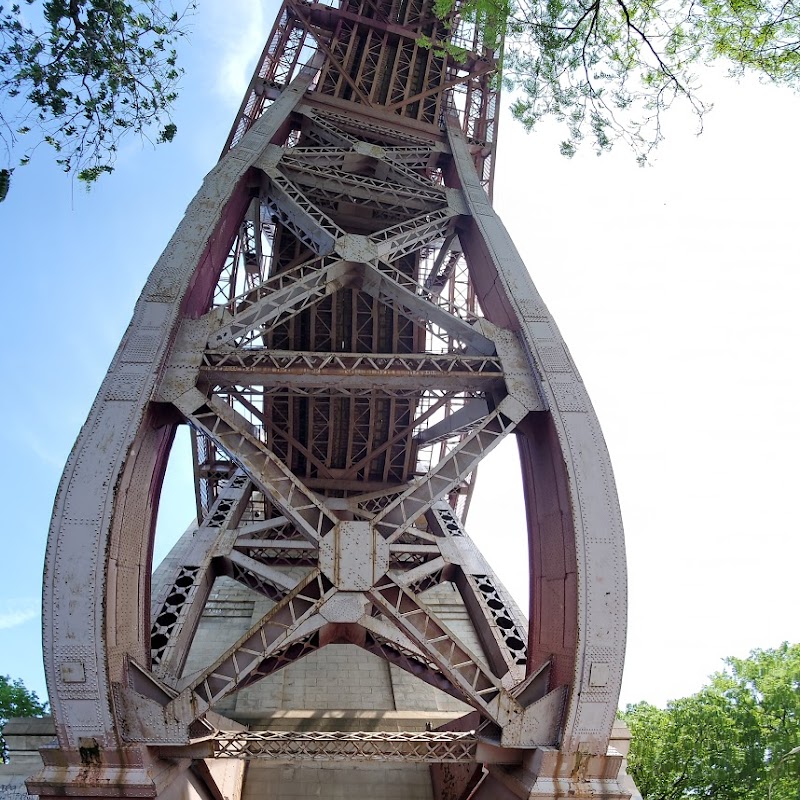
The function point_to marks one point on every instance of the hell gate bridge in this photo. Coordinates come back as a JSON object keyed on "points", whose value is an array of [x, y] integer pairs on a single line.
{"points": [[346, 326]]}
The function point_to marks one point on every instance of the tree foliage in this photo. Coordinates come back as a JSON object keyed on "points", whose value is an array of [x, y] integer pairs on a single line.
{"points": [[736, 739], [609, 69], [16, 701], [80, 74]]}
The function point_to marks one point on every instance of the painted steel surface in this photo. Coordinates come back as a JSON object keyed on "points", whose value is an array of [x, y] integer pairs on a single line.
{"points": [[346, 326]]}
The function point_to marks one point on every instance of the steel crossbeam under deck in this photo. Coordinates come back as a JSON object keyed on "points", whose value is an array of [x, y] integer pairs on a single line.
{"points": [[348, 330], [413, 371], [330, 746]]}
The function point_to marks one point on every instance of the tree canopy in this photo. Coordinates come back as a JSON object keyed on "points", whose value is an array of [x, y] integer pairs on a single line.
{"points": [[78, 75], [736, 739], [16, 701], [609, 69]]}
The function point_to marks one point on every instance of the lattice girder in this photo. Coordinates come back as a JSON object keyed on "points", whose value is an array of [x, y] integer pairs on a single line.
{"points": [[289, 746], [178, 602], [347, 327], [294, 617]]}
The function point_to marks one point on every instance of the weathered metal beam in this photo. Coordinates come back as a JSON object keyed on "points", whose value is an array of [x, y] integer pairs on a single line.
{"points": [[479, 686], [462, 419], [307, 174], [397, 241], [424, 309], [289, 204], [246, 542], [401, 513], [223, 424], [499, 624], [575, 529], [262, 366], [179, 599], [423, 747], [289, 619], [259, 577], [282, 295]]}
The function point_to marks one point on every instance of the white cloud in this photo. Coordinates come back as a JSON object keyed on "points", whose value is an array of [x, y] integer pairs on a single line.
{"points": [[18, 612], [238, 31]]}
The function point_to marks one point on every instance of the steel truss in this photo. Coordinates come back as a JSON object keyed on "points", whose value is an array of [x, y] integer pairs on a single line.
{"points": [[348, 330], [424, 747]]}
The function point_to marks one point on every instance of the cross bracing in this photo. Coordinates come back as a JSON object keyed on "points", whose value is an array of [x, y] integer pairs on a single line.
{"points": [[345, 326]]}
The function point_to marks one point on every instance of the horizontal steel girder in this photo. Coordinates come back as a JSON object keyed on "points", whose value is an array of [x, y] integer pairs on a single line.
{"points": [[423, 747], [260, 366]]}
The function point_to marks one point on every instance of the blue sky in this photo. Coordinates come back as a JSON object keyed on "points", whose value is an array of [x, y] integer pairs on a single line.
{"points": [[675, 287]]}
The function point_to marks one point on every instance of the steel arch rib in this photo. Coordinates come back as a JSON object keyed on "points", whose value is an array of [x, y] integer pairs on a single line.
{"points": [[99, 550], [578, 595]]}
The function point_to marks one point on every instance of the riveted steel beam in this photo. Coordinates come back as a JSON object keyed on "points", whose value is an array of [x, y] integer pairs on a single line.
{"points": [[399, 515], [226, 426], [423, 747], [422, 309], [261, 366], [185, 581], [292, 618], [278, 298], [479, 686]]}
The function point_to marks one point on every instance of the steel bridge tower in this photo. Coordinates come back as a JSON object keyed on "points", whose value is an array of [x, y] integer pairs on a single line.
{"points": [[344, 323]]}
